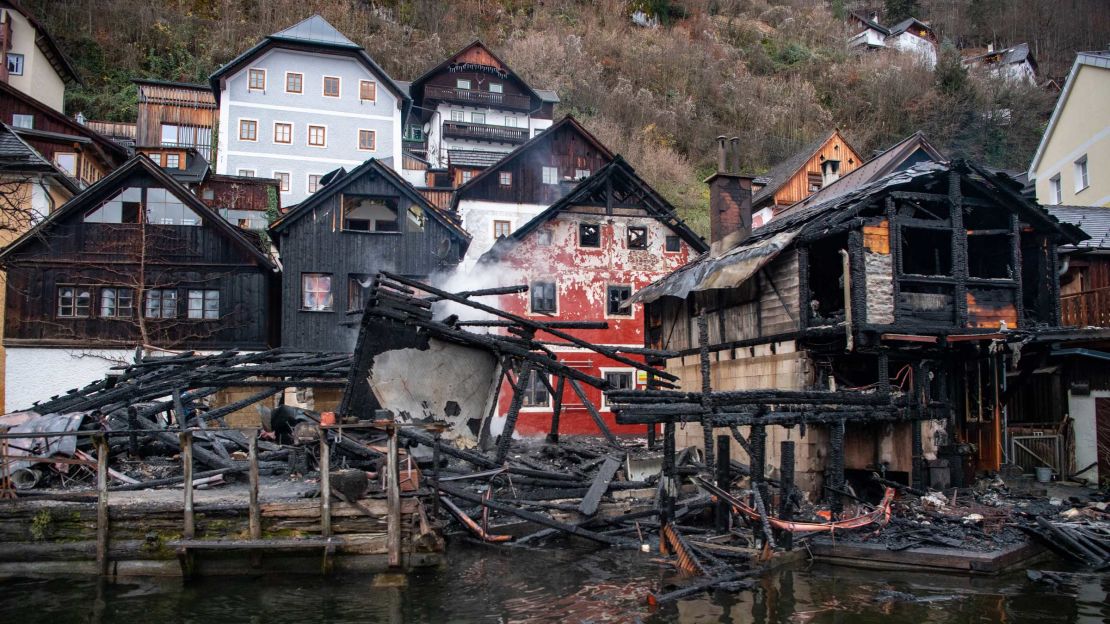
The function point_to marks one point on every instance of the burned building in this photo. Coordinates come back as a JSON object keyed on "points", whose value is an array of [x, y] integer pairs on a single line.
{"points": [[921, 283]]}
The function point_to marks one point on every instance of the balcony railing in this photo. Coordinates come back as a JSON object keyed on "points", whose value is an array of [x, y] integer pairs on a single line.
{"points": [[1090, 308], [484, 132], [479, 98]]}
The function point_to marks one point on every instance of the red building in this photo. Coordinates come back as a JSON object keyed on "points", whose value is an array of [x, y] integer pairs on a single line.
{"points": [[582, 257]]}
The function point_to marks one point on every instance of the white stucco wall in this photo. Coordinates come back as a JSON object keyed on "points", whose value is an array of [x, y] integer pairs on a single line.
{"points": [[911, 43], [1082, 411], [39, 80], [36, 374], [438, 146], [478, 217]]}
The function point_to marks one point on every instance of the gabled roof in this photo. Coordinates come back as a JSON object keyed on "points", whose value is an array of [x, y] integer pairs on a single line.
{"points": [[49, 46], [312, 33], [1099, 59], [618, 176], [869, 23], [567, 121], [473, 158], [781, 173], [418, 84], [17, 156], [341, 180], [112, 152], [105, 188], [1094, 220], [906, 24], [1005, 56]]}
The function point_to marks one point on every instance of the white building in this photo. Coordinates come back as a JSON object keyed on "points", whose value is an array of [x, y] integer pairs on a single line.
{"points": [[30, 59], [911, 36], [1015, 63]]}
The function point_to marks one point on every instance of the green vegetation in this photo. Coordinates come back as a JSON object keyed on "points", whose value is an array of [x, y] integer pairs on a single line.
{"points": [[775, 74]]}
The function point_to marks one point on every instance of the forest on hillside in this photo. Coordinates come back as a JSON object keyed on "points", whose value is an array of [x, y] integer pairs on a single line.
{"points": [[776, 74]]}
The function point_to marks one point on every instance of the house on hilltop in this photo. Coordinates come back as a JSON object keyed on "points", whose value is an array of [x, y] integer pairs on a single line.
{"points": [[31, 61], [911, 35], [1015, 63]]}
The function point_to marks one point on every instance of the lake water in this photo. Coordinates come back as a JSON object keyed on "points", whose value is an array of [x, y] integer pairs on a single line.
{"points": [[574, 584]]}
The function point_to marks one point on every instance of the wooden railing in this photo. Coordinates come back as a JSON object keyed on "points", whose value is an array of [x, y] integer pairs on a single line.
{"points": [[483, 98], [484, 132], [1089, 308]]}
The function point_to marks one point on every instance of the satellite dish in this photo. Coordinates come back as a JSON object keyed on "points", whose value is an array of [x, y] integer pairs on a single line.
{"points": [[427, 128]]}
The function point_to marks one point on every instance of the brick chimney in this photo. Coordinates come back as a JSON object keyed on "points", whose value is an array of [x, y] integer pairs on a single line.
{"points": [[730, 199], [830, 171]]}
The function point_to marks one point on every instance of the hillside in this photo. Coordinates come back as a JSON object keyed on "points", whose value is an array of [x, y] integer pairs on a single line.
{"points": [[776, 74]]}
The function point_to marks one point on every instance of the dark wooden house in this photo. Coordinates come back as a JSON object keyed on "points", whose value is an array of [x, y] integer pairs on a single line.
{"points": [[359, 223], [921, 284], [136, 259]]}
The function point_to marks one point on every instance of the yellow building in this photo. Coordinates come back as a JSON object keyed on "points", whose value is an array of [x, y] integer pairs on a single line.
{"points": [[1072, 164]]}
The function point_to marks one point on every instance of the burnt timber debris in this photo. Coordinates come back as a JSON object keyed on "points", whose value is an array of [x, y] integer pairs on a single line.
{"points": [[441, 468]]}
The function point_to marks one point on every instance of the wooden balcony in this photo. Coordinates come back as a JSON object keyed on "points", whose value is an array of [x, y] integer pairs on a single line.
{"points": [[484, 132], [1090, 308], [478, 98]]}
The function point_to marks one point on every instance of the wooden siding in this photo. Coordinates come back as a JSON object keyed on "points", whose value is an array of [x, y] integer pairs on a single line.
{"points": [[172, 104], [797, 187], [239, 193], [316, 243]]}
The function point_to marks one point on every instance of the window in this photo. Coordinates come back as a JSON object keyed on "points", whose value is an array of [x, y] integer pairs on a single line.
{"points": [[414, 133], [369, 214], [294, 82], [316, 292], [637, 237], [543, 237], [367, 90], [74, 301], [257, 79], [505, 178], [550, 175], [174, 135], [15, 64], [317, 136], [331, 86], [815, 181], [161, 303], [204, 304], [535, 391], [248, 130], [135, 205], [283, 180], [990, 256], [496, 87], [581, 174], [617, 380], [614, 297], [283, 133], [116, 302], [358, 291], [462, 83], [466, 175], [313, 182], [67, 162], [589, 235], [246, 173], [457, 115], [502, 228], [510, 122], [23, 121], [1081, 178], [673, 244], [543, 296], [173, 161], [1055, 191], [478, 118], [926, 251], [367, 140]]}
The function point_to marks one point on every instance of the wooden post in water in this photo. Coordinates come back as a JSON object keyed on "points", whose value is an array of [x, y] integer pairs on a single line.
{"points": [[325, 484], [393, 500], [186, 437], [255, 511], [101, 505]]}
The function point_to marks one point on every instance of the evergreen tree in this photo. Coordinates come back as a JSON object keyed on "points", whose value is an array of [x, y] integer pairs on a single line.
{"points": [[895, 11]]}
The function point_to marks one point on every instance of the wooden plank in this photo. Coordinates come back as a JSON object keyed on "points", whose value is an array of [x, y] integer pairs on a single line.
{"points": [[599, 486], [393, 499], [102, 505], [252, 544], [186, 437], [910, 338], [255, 511]]}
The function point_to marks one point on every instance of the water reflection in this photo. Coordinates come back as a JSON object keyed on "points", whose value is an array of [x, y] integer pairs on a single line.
{"points": [[487, 584]]}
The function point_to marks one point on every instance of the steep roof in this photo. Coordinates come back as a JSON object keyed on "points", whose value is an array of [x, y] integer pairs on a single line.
{"points": [[339, 179], [314, 33], [1094, 220], [473, 158], [620, 177], [49, 46], [567, 121], [906, 24], [1099, 59], [112, 152], [781, 173], [1005, 56], [109, 184], [869, 23], [17, 156], [416, 86]]}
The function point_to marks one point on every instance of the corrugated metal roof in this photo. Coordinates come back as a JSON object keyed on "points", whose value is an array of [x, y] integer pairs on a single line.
{"points": [[315, 29], [474, 158], [1094, 220]]}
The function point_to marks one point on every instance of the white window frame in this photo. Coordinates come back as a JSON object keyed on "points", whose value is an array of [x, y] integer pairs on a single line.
{"points": [[273, 137], [581, 174], [239, 130], [116, 290], [375, 86], [167, 160], [475, 114], [324, 87], [265, 79], [331, 291], [550, 398], [22, 60], [503, 181], [203, 304], [374, 135], [528, 294], [631, 310], [545, 170], [288, 176], [458, 115], [602, 370], [459, 84], [308, 182], [500, 87], [1082, 174], [510, 121], [308, 136], [26, 116], [293, 73], [247, 173], [1055, 190]]}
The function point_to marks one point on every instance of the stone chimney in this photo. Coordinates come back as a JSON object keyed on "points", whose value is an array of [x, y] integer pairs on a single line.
{"points": [[730, 199], [830, 171]]}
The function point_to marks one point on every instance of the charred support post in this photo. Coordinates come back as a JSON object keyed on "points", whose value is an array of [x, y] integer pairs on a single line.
{"points": [[959, 248], [102, 505], [836, 465], [786, 491], [917, 404], [594, 414], [758, 443], [132, 425], [723, 481], [918, 476], [325, 484], [666, 504], [553, 437], [706, 388], [255, 510], [506, 437], [393, 499], [186, 437]]}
